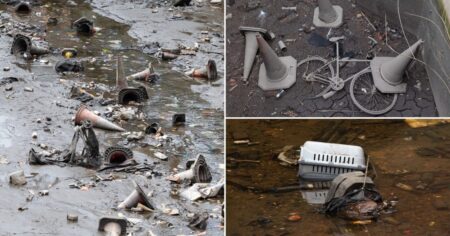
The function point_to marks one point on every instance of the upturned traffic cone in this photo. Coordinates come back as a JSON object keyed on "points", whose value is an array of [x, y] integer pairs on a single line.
{"points": [[113, 226], [84, 114], [276, 72], [84, 26], [388, 72], [327, 15], [209, 72], [24, 46], [251, 46], [117, 154], [128, 95], [22, 7], [198, 172], [137, 196]]}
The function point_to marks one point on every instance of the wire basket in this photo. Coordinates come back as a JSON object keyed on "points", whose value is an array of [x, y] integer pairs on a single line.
{"points": [[324, 161]]}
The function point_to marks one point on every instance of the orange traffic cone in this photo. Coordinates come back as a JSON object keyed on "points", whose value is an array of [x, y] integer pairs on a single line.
{"points": [[84, 114], [327, 15], [276, 72], [209, 72], [388, 72], [117, 154]]}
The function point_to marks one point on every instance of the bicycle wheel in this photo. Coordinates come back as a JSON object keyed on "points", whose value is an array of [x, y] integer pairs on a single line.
{"points": [[367, 97], [316, 72]]}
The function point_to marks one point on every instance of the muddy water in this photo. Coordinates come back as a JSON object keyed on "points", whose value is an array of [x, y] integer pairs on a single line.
{"points": [[392, 148], [174, 93]]}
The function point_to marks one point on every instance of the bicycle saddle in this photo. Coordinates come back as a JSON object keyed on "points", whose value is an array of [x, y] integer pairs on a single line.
{"points": [[335, 39]]}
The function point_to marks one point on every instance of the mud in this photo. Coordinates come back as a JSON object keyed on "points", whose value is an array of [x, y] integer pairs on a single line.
{"points": [[173, 93], [250, 101], [422, 207]]}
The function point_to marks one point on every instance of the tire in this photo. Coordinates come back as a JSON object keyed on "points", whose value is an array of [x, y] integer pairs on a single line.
{"points": [[367, 97], [316, 72]]}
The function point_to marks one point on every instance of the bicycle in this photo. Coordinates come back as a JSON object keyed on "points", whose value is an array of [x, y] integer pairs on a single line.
{"points": [[363, 92]]}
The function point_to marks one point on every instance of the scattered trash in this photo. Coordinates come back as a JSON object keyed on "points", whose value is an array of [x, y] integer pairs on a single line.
{"points": [[294, 217], [69, 53], [23, 46], [72, 218], [181, 3], [113, 225], [168, 56], [69, 65], [203, 190], [289, 155], [17, 178], [404, 187], [197, 172], [282, 46], [199, 221], [137, 196], [178, 119], [147, 75], [22, 8], [43, 193], [160, 156], [117, 155], [353, 196]]}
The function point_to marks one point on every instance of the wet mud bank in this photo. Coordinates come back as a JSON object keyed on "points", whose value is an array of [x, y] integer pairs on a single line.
{"points": [[263, 192], [365, 34], [37, 110]]}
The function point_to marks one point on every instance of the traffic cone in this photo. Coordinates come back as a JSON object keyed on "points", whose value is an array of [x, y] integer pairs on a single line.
{"points": [[23, 45], [198, 172], [114, 226], [23, 8], [388, 72], [327, 15], [147, 74], [137, 196], [251, 46], [84, 114], [276, 72], [209, 72], [128, 95], [121, 81], [84, 26], [117, 154]]}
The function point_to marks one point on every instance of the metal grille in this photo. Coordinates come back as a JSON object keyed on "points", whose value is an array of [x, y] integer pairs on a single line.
{"points": [[324, 161]]}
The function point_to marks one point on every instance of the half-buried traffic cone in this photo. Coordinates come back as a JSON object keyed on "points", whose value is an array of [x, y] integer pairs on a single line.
{"points": [[251, 46], [98, 122], [388, 72], [327, 15], [136, 197], [276, 72], [208, 72]]}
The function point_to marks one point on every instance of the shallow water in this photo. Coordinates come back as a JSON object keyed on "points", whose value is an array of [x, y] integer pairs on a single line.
{"points": [[391, 146]]}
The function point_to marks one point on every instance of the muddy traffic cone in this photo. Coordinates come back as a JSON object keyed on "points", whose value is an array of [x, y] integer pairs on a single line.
{"points": [[327, 15], [117, 154], [98, 122], [198, 172], [388, 72], [22, 45], [84, 26], [276, 72], [128, 95], [146, 75], [251, 46], [209, 72], [23, 8], [113, 226], [137, 196]]}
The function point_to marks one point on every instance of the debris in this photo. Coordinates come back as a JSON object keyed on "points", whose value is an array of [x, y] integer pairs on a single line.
{"points": [[181, 3], [178, 119], [28, 89], [160, 156], [404, 187], [168, 56], [23, 46], [147, 75], [199, 221], [152, 128], [413, 123], [34, 135], [69, 53], [72, 218], [137, 196], [17, 178], [294, 217], [288, 155], [282, 46], [203, 190], [23, 8], [69, 65], [43, 193], [134, 136]]}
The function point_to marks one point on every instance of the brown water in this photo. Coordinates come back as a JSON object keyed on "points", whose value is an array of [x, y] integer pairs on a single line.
{"points": [[391, 146]]}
